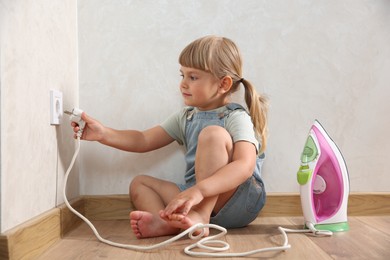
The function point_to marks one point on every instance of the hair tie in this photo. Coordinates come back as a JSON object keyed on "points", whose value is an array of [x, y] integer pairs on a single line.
{"points": [[241, 80]]}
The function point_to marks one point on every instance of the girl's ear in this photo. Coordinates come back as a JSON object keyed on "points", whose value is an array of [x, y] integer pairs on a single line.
{"points": [[226, 84]]}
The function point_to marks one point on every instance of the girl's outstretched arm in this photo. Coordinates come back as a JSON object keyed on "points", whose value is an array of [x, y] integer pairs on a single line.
{"points": [[127, 140]]}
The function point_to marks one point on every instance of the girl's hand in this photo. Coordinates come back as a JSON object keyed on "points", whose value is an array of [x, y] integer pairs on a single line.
{"points": [[182, 203], [93, 130]]}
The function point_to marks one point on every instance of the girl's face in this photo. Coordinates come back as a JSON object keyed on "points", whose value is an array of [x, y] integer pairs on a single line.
{"points": [[201, 89]]}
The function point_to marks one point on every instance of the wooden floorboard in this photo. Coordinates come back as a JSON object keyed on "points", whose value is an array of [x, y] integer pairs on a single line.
{"points": [[380, 223], [368, 238], [363, 241]]}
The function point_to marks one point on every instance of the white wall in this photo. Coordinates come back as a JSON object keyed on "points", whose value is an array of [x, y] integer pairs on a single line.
{"points": [[38, 52], [325, 60]]}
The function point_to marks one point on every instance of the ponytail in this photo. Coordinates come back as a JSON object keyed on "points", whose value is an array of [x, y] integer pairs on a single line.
{"points": [[258, 108]]}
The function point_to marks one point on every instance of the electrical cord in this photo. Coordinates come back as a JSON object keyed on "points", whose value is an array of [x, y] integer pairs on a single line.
{"points": [[210, 243]]}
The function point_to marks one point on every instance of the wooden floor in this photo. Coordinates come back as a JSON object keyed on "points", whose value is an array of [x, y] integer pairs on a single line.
{"points": [[368, 238]]}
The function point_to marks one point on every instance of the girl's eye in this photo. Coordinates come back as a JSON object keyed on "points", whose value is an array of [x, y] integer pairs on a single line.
{"points": [[190, 77]]}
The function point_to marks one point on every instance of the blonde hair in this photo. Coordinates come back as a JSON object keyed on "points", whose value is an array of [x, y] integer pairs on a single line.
{"points": [[221, 57]]}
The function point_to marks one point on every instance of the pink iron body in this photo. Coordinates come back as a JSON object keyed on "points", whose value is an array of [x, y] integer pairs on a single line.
{"points": [[324, 182]]}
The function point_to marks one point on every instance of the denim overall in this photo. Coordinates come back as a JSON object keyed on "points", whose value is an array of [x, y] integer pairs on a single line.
{"points": [[249, 198]]}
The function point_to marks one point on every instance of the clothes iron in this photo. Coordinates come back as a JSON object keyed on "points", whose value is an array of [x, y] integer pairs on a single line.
{"points": [[324, 182]]}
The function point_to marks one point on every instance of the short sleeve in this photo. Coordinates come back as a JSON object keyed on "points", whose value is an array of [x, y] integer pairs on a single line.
{"points": [[240, 127], [174, 125]]}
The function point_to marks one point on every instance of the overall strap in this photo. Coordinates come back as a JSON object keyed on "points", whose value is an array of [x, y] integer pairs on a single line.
{"points": [[234, 106], [190, 112]]}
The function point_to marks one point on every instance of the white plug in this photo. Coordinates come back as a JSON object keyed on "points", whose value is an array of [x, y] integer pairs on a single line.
{"points": [[75, 116]]}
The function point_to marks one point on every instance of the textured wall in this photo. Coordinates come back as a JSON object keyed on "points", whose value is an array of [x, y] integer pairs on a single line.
{"points": [[325, 60], [38, 46]]}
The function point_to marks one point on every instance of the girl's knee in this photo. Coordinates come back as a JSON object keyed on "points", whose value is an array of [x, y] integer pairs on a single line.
{"points": [[215, 141], [213, 134], [137, 182]]}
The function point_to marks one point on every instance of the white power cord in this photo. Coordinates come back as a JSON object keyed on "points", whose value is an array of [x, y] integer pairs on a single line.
{"points": [[204, 243]]}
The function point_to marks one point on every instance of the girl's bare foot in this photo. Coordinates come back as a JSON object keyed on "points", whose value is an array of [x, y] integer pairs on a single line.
{"points": [[145, 224], [184, 222]]}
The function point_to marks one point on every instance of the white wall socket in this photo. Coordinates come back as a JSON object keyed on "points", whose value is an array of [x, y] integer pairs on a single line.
{"points": [[55, 107]]}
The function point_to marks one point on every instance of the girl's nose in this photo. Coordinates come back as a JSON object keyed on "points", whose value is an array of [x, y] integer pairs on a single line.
{"points": [[183, 85]]}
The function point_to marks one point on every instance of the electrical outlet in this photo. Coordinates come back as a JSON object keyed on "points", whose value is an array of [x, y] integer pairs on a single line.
{"points": [[55, 107]]}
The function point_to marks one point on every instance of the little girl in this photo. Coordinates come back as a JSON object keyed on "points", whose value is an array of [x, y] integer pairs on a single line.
{"points": [[224, 147]]}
